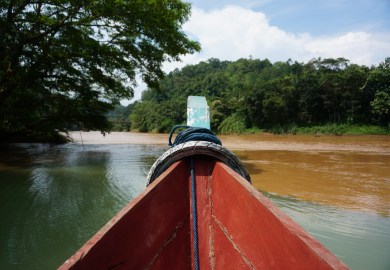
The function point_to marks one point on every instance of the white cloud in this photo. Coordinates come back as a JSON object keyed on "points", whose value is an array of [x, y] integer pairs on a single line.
{"points": [[236, 32], [359, 47]]}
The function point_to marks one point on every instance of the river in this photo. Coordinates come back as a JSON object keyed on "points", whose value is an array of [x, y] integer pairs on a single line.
{"points": [[55, 197]]}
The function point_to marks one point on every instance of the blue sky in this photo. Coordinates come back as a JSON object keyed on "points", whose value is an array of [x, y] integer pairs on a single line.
{"points": [[300, 30], [358, 30], [317, 17]]}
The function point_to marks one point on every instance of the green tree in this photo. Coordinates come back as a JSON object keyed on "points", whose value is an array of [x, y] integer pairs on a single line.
{"points": [[381, 107], [311, 101], [251, 93], [217, 114], [353, 79], [119, 117], [69, 62], [280, 102], [331, 83], [379, 81]]}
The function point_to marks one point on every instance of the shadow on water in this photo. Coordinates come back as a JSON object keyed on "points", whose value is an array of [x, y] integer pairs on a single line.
{"points": [[20, 156], [252, 168]]}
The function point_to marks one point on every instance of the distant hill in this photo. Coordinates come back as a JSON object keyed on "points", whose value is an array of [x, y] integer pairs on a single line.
{"points": [[257, 94]]}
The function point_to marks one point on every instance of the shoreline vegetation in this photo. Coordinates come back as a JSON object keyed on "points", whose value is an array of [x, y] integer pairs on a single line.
{"points": [[318, 130], [322, 96], [246, 96], [327, 129]]}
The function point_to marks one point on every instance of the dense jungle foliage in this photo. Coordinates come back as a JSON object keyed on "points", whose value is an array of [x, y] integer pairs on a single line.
{"points": [[65, 64], [326, 95]]}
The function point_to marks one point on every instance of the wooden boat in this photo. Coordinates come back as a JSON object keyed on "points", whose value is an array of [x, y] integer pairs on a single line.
{"points": [[238, 228], [200, 211]]}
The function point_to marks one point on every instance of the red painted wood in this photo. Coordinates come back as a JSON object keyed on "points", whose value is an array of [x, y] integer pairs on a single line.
{"points": [[143, 233], [238, 228], [264, 235], [176, 255], [226, 256], [203, 192]]}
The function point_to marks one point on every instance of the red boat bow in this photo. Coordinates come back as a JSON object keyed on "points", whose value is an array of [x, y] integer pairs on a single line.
{"points": [[238, 228]]}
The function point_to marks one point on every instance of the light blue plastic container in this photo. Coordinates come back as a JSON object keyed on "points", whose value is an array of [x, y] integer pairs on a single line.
{"points": [[198, 113]]}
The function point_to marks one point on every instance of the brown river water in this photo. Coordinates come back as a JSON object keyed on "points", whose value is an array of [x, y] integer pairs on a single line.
{"points": [[352, 172]]}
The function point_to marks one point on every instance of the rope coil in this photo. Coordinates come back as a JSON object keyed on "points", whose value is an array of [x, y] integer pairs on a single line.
{"points": [[192, 134]]}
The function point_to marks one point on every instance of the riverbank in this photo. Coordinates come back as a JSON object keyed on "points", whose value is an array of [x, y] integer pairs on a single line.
{"points": [[372, 143], [293, 129], [331, 129]]}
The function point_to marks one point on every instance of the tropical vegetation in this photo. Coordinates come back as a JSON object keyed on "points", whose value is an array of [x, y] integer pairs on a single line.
{"points": [[331, 96]]}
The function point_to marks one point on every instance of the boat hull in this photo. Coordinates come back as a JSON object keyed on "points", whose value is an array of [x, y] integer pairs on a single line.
{"points": [[238, 228]]}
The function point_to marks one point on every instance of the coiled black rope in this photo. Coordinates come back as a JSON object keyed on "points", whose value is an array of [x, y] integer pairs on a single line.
{"points": [[192, 134]]}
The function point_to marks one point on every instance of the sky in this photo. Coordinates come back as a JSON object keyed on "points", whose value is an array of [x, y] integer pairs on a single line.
{"points": [[300, 30]]}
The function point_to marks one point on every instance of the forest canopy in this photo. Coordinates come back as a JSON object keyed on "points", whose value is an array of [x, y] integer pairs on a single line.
{"points": [[66, 63], [257, 94]]}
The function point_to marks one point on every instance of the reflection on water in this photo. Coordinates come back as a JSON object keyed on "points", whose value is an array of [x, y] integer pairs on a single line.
{"points": [[54, 198]]}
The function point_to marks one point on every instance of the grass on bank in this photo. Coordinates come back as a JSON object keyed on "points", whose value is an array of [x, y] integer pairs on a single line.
{"points": [[235, 124], [329, 129]]}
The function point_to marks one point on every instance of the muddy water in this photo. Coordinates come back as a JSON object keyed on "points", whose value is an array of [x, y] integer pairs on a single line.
{"points": [[337, 188], [54, 198], [352, 180], [346, 171]]}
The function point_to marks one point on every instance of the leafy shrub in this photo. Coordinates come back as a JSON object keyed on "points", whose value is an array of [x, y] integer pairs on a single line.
{"points": [[233, 124]]}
